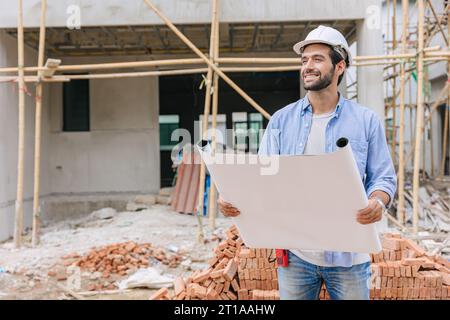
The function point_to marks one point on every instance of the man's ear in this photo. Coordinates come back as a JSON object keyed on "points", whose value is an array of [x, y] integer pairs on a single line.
{"points": [[341, 66]]}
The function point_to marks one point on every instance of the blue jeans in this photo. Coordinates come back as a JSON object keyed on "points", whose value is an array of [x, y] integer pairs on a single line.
{"points": [[302, 281]]}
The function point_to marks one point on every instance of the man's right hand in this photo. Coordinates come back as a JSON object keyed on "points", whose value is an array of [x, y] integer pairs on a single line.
{"points": [[227, 209]]}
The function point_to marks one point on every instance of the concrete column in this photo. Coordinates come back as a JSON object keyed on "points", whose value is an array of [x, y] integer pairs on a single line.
{"points": [[370, 79]]}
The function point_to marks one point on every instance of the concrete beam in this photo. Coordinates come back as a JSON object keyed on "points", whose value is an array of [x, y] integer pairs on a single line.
{"points": [[135, 12]]}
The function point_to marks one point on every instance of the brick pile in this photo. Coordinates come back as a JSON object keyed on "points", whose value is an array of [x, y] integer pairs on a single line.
{"points": [[258, 274], [234, 273], [116, 260], [403, 271]]}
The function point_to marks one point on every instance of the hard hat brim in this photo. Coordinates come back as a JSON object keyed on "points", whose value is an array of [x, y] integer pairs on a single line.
{"points": [[300, 45]]}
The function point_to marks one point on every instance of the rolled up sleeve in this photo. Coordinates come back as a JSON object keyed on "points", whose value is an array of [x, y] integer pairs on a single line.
{"points": [[380, 172]]}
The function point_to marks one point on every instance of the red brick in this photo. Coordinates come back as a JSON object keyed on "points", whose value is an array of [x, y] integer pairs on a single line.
{"points": [[413, 261], [230, 270], [179, 286], [159, 294]]}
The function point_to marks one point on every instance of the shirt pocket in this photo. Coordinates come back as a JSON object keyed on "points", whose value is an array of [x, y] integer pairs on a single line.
{"points": [[359, 148]]}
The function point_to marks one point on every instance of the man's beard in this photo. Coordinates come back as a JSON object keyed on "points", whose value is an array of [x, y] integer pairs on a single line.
{"points": [[321, 82]]}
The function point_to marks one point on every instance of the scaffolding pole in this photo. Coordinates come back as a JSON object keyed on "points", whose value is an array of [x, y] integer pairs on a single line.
{"points": [[446, 117], [205, 123], [419, 116], [212, 193], [401, 150], [18, 225], [38, 123]]}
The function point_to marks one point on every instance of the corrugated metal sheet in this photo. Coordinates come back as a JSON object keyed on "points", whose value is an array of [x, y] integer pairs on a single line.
{"points": [[185, 196]]}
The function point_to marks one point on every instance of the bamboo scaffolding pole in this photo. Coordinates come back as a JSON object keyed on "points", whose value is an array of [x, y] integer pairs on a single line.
{"points": [[436, 103], [112, 65], [378, 63], [69, 77], [401, 150], [444, 36], [14, 79], [394, 85], [411, 122], [437, 59], [206, 111], [444, 139], [446, 117], [443, 54], [411, 69], [420, 115], [385, 57], [261, 69], [424, 143], [38, 122], [396, 58], [432, 109], [208, 61], [212, 192], [434, 48], [18, 225], [430, 131], [136, 74], [259, 60]]}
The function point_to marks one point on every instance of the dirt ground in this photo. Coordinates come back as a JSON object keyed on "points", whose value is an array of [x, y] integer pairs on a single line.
{"points": [[24, 273]]}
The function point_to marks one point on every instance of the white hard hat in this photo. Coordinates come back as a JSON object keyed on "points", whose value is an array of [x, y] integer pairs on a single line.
{"points": [[326, 35]]}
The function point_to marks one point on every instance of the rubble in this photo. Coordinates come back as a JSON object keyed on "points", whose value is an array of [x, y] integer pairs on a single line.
{"points": [[119, 258], [133, 206], [148, 200], [146, 278], [103, 214], [235, 272], [160, 226], [402, 270]]}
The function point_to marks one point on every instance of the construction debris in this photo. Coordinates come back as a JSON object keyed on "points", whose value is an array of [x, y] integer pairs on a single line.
{"points": [[148, 200], [434, 212], [402, 270], [146, 278], [110, 263], [434, 216], [121, 257], [104, 214], [234, 273], [133, 206], [161, 294]]}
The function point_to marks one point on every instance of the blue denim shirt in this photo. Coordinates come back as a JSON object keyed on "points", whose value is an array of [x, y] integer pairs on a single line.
{"points": [[287, 134]]}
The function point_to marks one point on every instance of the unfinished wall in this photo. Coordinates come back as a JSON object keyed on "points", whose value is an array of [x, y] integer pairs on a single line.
{"points": [[9, 140], [121, 151]]}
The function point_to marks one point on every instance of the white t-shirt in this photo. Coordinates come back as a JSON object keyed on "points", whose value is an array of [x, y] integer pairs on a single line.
{"points": [[316, 145]]}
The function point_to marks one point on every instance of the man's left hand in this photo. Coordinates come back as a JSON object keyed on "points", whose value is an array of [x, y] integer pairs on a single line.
{"points": [[370, 214]]}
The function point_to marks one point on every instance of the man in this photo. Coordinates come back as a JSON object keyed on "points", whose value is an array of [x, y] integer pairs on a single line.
{"points": [[311, 126]]}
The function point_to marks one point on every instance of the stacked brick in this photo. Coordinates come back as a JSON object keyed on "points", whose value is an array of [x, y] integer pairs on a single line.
{"points": [[235, 272], [403, 271], [257, 274]]}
